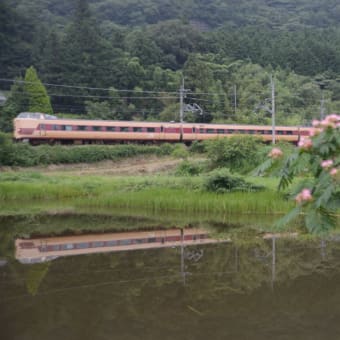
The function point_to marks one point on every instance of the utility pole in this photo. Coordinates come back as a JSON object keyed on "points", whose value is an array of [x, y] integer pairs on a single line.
{"points": [[272, 84], [322, 106], [181, 101], [182, 92]]}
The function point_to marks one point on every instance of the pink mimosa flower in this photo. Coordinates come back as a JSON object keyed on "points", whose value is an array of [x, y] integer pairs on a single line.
{"points": [[333, 171], [316, 123], [305, 143], [275, 153], [304, 196], [326, 164], [314, 132]]}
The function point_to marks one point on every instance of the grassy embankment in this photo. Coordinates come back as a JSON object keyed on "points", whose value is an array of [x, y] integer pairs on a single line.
{"points": [[161, 193]]}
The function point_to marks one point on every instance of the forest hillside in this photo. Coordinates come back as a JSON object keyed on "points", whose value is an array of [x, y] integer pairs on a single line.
{"points": [[114, 59]]}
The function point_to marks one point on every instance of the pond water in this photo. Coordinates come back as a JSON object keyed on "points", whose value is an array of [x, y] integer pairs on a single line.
{"points": [[250, 288]]}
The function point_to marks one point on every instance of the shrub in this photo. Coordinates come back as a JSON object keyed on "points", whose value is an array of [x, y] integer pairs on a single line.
{"points": [[187, 168], [221, 180], [238, 153], [166, 149], [197, 147], [180, 151]]}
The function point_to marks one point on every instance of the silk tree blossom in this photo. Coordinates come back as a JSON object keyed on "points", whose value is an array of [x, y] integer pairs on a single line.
{"points": [[305, 143], [331, 121], [333, 171], [304, 196], [327, 164], [314, 132], [275, 153], [316, 123]]}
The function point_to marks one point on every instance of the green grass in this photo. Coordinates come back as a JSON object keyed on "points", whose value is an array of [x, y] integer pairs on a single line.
{"points": [[154, 193]]}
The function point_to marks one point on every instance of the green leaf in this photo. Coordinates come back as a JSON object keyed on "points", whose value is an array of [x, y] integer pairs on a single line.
{"points": [[288, 217]]}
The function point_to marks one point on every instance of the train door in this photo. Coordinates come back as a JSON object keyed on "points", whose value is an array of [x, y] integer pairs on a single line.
{"points": [[42, 130], [194, 133]]}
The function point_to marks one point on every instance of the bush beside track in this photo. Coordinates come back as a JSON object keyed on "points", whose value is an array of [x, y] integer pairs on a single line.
{"points": [[12, 154]]}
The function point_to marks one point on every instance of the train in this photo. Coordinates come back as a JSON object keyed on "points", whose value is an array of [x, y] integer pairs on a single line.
{"points": [[38, 128]]}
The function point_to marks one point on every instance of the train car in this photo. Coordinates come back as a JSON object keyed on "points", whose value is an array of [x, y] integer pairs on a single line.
{"points": [[38, 128]]}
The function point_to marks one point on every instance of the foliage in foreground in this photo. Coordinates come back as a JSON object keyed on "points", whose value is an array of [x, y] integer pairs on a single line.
{"points": [[318, 159]]}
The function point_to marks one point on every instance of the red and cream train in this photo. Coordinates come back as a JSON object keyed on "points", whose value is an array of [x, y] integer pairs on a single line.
{"points": [[38, 128]]}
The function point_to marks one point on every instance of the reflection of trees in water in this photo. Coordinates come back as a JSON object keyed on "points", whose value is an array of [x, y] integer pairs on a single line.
{"points": [[130, 289]]}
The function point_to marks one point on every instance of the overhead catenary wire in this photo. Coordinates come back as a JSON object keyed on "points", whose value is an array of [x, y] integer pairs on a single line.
{"points": [[84, 87]]}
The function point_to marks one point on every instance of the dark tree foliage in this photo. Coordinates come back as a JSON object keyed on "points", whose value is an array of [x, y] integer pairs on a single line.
{"points": [[136, 46], [15, 39]]}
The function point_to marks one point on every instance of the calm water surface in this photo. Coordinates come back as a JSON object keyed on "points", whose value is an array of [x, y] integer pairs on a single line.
{"points": [[246, 289]]}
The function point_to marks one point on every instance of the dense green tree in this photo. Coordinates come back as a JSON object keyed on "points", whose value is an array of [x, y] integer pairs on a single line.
{"points": [[83, 50], [16, 38], [16, 102], [38, 99]]}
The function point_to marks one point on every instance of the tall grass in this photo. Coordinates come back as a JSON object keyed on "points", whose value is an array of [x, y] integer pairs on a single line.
{"points": [[165, 200], [154, 193]]}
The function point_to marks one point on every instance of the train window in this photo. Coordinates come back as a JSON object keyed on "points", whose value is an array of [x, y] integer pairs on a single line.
{"points": [[66, 127], [150, 129], [125, 242], [42, 127], [220, 131], [201, 130], [81, 128], [54, 127], [124, 129], [110, 128], [96, 128], [82, 245], [111, 243], [210, 131], [67, 246], [230, 131], [289, 132], [279, 132], [50, 117], [97, 244], [137, 129], [251, 132]]}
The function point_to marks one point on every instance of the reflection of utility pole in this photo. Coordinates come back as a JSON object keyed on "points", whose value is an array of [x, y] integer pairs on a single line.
{"points": [[273, 260], [182, 257], [323, 249]]}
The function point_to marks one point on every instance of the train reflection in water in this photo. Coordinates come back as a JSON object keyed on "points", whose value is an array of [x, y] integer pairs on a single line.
{"points": [[46, 249]]}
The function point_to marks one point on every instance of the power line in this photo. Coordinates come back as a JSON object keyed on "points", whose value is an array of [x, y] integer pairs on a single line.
{"points": [[94, 96], [83, 87]]}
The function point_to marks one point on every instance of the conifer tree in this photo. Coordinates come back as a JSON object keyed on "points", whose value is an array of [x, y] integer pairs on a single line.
{"points": [[38, 99], [15, 103]]}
